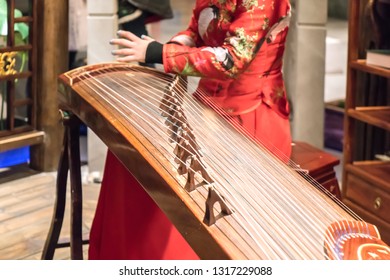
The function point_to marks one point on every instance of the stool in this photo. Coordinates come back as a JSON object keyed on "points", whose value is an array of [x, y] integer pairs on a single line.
{"points": [[318, 164]]}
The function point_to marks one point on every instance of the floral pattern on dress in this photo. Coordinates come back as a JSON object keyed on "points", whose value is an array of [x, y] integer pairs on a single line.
{"points": [[230, 36], [250, 4]]}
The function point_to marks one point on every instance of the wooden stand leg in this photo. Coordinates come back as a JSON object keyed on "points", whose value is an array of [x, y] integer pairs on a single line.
{"points": [[59, 204], [76, 240], [69, 161]]}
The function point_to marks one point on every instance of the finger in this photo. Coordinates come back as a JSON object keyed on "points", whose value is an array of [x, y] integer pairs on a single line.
{"points": [[128, 35], [147, 38], [129, 58], [123, 52], [122, 43]]}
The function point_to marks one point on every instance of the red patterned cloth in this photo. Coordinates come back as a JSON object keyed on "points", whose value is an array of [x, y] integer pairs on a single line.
{"points": [[237, 47]]}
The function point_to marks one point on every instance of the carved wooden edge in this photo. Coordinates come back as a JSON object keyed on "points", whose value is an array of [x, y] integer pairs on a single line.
{"points": [[354, 240]]}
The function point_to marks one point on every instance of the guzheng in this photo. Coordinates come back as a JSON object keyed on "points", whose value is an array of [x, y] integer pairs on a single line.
{"points": [[227, 195]]}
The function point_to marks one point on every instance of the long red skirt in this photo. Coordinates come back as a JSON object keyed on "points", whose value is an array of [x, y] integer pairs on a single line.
{"points": [[129, 225]]}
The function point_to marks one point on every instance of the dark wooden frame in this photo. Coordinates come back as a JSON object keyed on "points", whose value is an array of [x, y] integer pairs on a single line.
{"points": [[31, 48], [364, 181]]}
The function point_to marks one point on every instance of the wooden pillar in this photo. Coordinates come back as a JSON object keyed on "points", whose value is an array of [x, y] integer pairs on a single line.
{"points": [[52, 61]]}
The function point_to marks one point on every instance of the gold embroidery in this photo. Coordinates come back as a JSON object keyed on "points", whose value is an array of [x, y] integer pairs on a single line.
{"points": [[7, 63]]}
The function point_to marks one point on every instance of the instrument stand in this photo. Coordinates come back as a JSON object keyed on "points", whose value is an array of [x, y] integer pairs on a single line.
{"points": [[69, 161]]}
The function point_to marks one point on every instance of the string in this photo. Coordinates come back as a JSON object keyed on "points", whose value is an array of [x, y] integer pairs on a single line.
{"points": [[128, 84], [320, 187], [316, 184], [279, 154], [160, 97]]}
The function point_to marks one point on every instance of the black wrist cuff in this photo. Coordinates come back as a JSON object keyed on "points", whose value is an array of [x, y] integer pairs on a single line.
{"points": [[154, 53]]}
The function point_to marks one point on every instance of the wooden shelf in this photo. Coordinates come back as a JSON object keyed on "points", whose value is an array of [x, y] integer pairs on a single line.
{"points": [[366, 183], [361, 65], [375, 115], [21, 140], [375, 172]]}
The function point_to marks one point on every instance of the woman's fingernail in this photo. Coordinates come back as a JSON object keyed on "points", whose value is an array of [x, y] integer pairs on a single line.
{"points": [[119, 31], [113, 52]]}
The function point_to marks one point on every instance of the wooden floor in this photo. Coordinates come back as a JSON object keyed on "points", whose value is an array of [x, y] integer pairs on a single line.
{"points": [[26, 208]]}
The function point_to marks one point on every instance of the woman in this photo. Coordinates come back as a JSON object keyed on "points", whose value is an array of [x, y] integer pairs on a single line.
{"points": [[237, 47]]}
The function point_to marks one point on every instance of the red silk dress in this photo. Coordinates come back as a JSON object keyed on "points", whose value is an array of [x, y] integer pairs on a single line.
{"points": [[236, 47]]}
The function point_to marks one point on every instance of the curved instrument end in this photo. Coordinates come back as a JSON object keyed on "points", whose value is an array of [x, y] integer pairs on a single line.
{"points": [[354, 240]]}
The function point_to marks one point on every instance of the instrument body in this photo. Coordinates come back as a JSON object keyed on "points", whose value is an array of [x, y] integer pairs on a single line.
{"points": [[133, 151], [263, 208]]}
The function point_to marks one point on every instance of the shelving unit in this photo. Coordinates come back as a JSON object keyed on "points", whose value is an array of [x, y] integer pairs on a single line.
{"points": [[18, 122], [366, 183]]}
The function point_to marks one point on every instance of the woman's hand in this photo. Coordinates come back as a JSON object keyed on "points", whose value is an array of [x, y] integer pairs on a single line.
{"points": [[131, 47]]}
